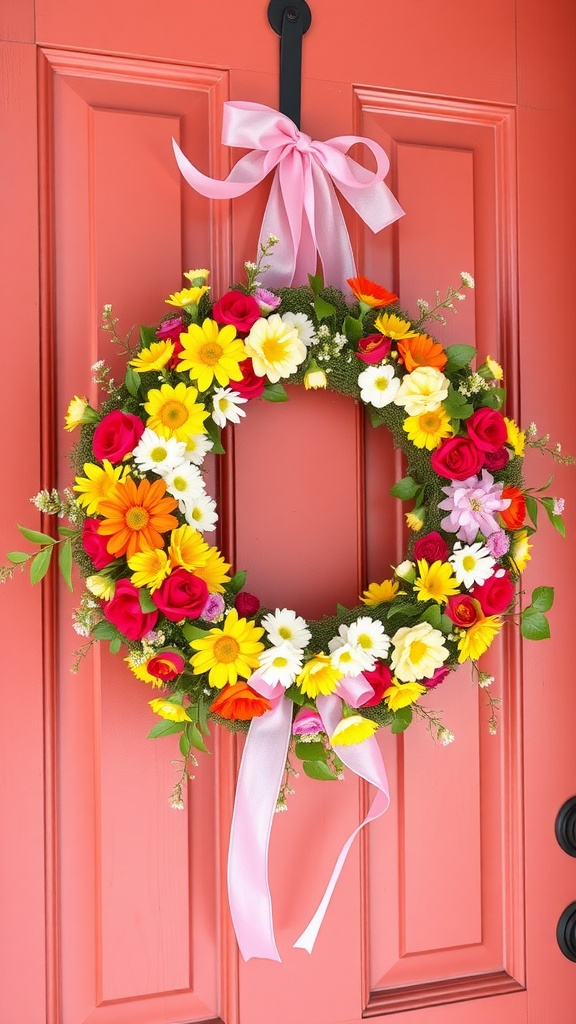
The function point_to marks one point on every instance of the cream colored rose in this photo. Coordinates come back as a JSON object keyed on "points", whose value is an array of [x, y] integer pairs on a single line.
{"points": [[418, 651], [422, 391]]}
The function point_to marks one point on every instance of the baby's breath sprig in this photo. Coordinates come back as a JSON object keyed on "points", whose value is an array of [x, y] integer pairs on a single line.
{"points": [[542, 445], [176, 798], [453, 295], [286, 789], [435, 726], [254, 269], [109, 321]]}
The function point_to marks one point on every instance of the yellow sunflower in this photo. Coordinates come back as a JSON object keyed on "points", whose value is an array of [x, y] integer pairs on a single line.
{"points": [[187, 549], [188, 296], [380, 593], [478, 637], [153, 358], [149, 568], [96, 485], [214, 572], [394, 327], [209, 352], [401, 695], [318, 676], [428, 429], [228, 652], [174, 412], [436, 581], [135, 517]]}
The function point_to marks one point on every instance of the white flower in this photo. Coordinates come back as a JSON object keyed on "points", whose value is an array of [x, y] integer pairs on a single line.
{"points": [[369, 634], [200, 512], [445, 736], [351, 660], [303, 326], [274, 348], [158, 454], [280, 664], [378, 385], [418, 651], [472, 563], [422, 391], [283, 624], [466, 279], [197, 447], [225, 406], [185, 483]]}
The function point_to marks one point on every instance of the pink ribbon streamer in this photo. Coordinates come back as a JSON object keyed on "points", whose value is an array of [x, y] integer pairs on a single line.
{"points": [[259, 780], [302, 211]]}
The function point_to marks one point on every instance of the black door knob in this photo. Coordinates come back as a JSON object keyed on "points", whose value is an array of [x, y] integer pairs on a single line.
{"points": [[566, 932], [566, 827]]}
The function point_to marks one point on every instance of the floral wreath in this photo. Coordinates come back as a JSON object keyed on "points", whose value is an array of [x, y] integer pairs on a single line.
{"points": [[139, 513]]}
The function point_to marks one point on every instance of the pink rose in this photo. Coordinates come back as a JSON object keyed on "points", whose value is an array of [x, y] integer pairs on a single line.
{"points": [[374, 348], [379, 679], [251, 386], [438, 677], [497, 459], [116, 435], [182, 595], [457, 458], [432, 547], [495, 594], [462, 609], [307, 723], [171, 329], [246, 604], [166, 665], [124, 611], [242, 311], [94, 544], [486, 427]]}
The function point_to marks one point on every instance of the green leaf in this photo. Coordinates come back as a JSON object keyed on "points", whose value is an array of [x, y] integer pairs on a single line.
{"points": [[456, 405], [132, 381], [494, 398], [296, 696], [68, 531], [545, 486], [203, 717], [275, 393], [341, 609], [310, 751], [40, 564], [458, 356], [316, 282], [556, 520], [433, 615], [353, 329], [402, 720], [532, 508], [446, 624], [408, 611], [237, 582], [318, 770], [192, 632], [147, 336], [542, 599], [213, 431], [534, 626], [185, 743], [405, 489], [376, 417], [35, 537], [165, 728], [146, 602], [105, 631], [323, 309], [65, 562], [18, 556], [196, 739], [115, 645]]}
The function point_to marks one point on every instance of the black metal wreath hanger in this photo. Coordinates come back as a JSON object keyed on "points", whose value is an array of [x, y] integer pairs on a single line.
{"points": [[290, 21]]}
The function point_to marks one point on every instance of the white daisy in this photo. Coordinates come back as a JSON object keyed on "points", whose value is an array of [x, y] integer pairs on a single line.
{"points": [[158, 454], [370, 635], [225, 406], [281, 664], [197, 447], [352, 660], [186, 484], [303, 325], [472, 563], [378, 385], [201, 513], [284, 625]]}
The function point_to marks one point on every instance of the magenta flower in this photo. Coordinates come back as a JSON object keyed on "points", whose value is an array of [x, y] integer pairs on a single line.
{"points": [[307, 723], [267, 301], [471, 505], [498, 544]]}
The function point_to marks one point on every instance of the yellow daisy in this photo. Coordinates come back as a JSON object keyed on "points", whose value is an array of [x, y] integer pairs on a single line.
{"points": [[187, 548], [187, 297], [393, 326], [101, 586], [214, 572], [209, 352], [174, 412], [149, 568], [495, 368], [318, 676], [197, 276], [436, 582], [478, 637], [415, 520], [516, 437], [228, 652], [428, 429], [400, 695], [380, 593], [153, 358], [354, 729], [167, 709], [95, 487], [275, 348], [520, 549], [79, 411]]}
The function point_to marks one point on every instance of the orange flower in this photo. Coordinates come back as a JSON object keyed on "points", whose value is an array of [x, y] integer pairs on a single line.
{"points": [[421, 350], [239, 702], [513, 517], [371, 294], [135, 517]]}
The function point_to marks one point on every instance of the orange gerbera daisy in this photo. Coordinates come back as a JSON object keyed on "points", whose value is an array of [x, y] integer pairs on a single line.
{"points": [[371, 294], [239, 702], [135, 517], [513, 517], [421, 351]]}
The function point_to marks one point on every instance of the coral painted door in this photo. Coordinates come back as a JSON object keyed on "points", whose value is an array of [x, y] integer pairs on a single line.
{"points": [[113, 904]]}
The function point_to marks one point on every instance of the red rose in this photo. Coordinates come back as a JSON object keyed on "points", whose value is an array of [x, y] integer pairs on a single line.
{"points": [[462, 609], [242, 311], [486, 427], [457, 458], [116, 435], [124, 611], [497, 459], [513, 517], [495, 594], [379, 678], [374, 348], [166, 666], [432, 547], [182, 595], [438, 677], [94, 544], [251, 386], [246, 604]]}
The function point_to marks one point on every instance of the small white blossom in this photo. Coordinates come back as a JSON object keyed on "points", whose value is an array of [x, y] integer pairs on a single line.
{"points": [[445, 736], [466, 279]]}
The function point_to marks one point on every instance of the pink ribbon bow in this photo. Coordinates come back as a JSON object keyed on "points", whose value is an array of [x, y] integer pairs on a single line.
{"points": [[303, 211]]}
